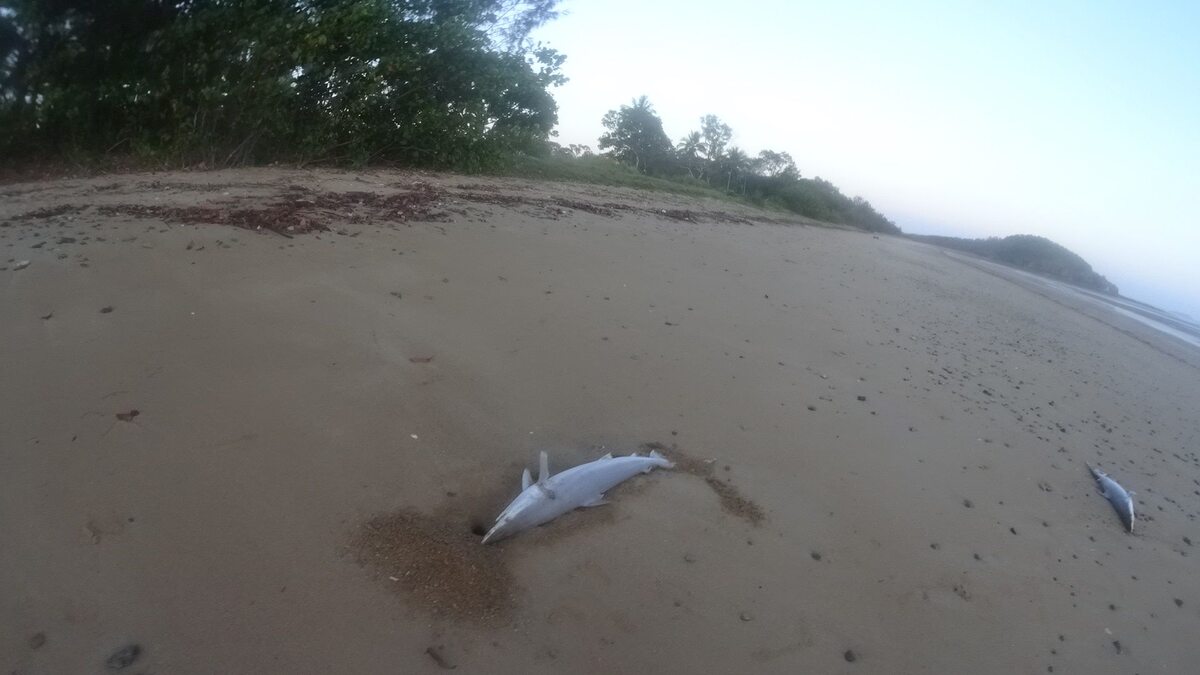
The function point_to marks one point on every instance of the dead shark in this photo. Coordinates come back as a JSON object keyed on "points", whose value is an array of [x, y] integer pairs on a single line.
{"points": [[1116, 495], [552, 496]]}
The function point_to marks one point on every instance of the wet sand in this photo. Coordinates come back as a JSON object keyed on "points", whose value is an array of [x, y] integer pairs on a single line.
{"points": [[314, 409]]}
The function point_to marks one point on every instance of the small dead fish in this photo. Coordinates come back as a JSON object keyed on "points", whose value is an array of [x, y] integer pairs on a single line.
{"points": [[1116, 495]]}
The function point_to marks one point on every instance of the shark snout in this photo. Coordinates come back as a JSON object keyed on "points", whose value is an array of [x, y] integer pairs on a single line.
{"points": [[498, 531]]}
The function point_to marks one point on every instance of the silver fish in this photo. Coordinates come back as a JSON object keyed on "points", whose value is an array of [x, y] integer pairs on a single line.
{"points": [[1116, 495], [581, 486]]}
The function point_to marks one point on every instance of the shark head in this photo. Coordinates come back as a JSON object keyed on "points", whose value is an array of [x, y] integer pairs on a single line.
{"points": [[504, 527], [528, 509], [521, 514]]}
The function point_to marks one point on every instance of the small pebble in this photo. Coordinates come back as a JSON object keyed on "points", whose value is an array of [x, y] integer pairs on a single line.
{"points": [[745, 616], [123, 657], [106, 309], [37, 640], [850, 656]]}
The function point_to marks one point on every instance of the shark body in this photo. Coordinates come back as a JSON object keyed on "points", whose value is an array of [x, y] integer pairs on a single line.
{"points": [[581, 486]]}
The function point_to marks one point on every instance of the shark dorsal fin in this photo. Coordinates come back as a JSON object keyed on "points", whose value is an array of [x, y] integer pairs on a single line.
{"points": [[608, 456], [543, 468], [526, 480]]}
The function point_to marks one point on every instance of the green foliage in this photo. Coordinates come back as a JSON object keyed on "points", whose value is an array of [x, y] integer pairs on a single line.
{"points": [[715, 135], [1032, 253], [775, 165], [634, 134], [449, 83], [603, 170]]}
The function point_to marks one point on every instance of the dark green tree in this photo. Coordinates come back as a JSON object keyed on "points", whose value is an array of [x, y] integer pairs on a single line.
{"points": [[734, 165], [689, 152], [634, 135], [439, 82], [771, 164], [716, 135]]}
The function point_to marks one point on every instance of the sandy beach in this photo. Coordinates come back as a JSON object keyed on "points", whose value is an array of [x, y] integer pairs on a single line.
{"points": [[272, 450]]}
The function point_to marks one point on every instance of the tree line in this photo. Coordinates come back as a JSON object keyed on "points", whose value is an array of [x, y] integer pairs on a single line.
{"points": [[448, 83], [634, 135], [454, 84]]}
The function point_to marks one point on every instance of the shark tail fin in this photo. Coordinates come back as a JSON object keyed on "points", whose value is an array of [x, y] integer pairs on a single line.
{"points": [[667, 464], [543, 468]]}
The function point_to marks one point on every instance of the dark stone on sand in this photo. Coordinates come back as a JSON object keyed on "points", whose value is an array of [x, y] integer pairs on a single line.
{"points": [[37, 640], [435, 653], [106, 309], [862, 398], [850, 656], [815, 555], [968, 503], [123, 657], [1178, 602]]}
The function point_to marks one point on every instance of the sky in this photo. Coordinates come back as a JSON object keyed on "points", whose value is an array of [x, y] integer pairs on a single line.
{"points": [[1079, 122]]}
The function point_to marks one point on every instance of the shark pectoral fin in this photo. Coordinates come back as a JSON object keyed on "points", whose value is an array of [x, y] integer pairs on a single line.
{"points": [[598, 500], [526, 480], [547, 491], [543, 467]]}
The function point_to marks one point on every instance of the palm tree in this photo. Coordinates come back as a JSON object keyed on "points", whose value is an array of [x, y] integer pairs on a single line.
{"points": [[689, 149], [735, 162], [642, 104]]}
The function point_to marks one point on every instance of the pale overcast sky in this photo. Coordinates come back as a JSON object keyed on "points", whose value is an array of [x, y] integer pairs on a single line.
{"points": [[1076, 121]]}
